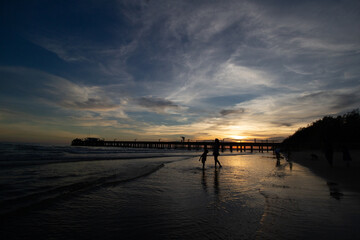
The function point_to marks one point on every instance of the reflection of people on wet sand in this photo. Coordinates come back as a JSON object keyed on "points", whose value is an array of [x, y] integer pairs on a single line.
{"points": [[216, 181], [203, 157], [346, 156], [216, 152], [334, 191], [287, 157], [203, 181]]}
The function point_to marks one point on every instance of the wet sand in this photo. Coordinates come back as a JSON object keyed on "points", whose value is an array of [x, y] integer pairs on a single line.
{"points": [[339, 174], [250, 197]]}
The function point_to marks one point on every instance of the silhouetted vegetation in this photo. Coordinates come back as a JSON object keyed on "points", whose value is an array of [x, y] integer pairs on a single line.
{"points": [[87, 142], [339, 131]]}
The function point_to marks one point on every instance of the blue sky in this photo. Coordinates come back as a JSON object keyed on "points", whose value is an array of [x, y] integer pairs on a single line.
{"points": [[166, 69]]}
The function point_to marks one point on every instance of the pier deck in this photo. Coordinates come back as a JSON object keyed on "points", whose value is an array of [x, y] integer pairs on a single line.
{"points": [[194, 145]]}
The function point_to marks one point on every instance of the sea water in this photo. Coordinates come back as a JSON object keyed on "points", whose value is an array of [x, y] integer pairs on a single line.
{"points": [[63, 192]]}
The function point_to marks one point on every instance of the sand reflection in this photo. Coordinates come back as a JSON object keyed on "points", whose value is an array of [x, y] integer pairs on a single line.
{"points": [[216, 181], [203, 180]]}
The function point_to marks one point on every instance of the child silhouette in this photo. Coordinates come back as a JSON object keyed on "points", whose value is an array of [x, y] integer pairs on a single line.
{"points": [[203, 157]]}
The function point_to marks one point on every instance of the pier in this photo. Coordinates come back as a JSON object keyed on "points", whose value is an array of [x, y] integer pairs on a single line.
{"points": [[263, 146]]}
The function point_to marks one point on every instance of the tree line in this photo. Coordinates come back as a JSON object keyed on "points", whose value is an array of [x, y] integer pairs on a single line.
{"points": [[339, 131]]}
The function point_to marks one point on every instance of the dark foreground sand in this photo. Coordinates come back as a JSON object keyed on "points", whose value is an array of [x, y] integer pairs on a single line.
{"points": [[341, 175]]}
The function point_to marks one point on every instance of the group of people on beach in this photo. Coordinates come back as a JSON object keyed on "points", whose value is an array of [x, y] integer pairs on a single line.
{"points": [[286, 155], [329, 154], [216, 154]]}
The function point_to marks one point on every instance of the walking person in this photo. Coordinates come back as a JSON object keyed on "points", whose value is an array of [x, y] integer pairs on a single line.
{"points": [[216, 152], [278, 156]]}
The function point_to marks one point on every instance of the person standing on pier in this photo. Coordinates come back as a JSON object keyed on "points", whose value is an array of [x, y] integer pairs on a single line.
{"points": [[216, 152]]}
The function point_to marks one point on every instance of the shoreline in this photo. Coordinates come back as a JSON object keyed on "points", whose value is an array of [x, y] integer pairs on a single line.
{"points": [[339, 175]]}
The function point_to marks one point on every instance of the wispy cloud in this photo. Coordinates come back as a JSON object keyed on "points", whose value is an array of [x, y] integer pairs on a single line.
{"points": [[68, 50], [59, 94], [325, 47], [297, 70], [157, 104], [201, 68], [74, 96]]}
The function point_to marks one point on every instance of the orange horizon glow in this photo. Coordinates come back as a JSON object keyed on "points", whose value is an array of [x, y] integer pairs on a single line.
{"points": [[239, 137]]}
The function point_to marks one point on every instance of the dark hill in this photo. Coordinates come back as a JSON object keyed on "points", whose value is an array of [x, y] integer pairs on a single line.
{"points": [[339, 131]]}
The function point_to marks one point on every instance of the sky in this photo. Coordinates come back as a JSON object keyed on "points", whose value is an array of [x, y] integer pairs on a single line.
{"points": [[151, 70]]}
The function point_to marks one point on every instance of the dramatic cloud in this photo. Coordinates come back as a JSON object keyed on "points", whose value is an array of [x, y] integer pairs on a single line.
{"points": [[198, 68]]}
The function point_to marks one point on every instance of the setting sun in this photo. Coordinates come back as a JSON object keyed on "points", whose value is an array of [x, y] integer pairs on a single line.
{"points": [[238, 137]]}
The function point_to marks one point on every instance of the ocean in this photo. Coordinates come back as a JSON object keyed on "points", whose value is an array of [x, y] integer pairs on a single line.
{"points": [[65, 192]]}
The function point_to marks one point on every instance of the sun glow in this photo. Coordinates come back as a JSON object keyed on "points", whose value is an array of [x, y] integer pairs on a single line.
{"points": [[238, 137]]}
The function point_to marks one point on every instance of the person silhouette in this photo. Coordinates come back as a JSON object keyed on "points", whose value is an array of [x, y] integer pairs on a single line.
{"points": [[288, 159], [346, 156], [278, 156], [329, 153], [203, 157], [216, 152]]}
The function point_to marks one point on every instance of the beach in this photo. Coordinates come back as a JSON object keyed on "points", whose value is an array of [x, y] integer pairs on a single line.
{"points": [[341, 175], [167, 195]]}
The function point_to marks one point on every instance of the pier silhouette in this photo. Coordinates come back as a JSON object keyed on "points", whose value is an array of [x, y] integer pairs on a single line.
{"points": [[260, 146]]}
